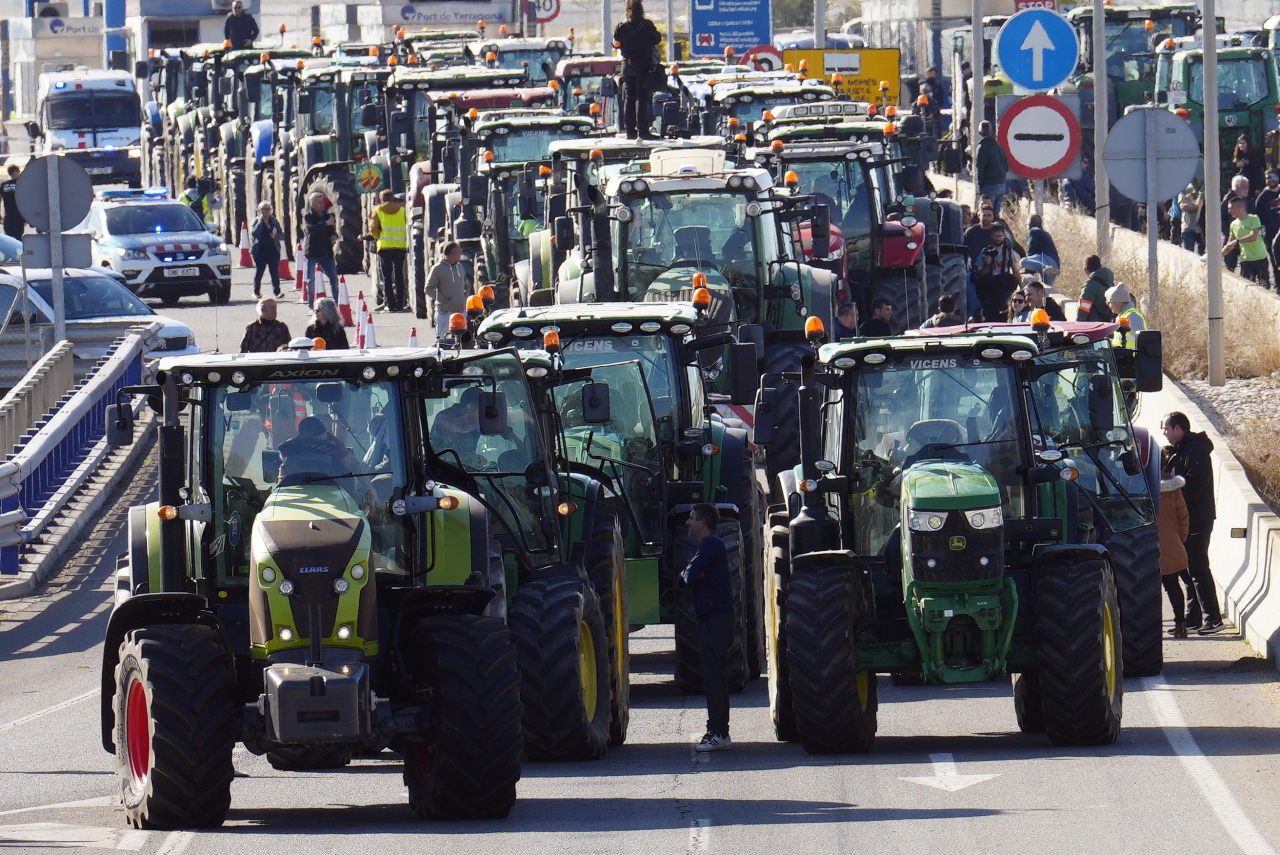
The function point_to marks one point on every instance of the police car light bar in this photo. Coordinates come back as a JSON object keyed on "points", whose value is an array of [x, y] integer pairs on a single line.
{"points": [[153, 192]]}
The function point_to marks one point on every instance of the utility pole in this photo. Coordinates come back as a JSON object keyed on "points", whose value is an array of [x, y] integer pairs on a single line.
{"points": [[606, 27], [978, 112], [671, 31], [819, 26], [1212, 189], [1101, 110]]}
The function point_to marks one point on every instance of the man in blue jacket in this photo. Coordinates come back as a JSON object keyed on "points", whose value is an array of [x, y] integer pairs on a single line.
{"points": [[708, 576]]}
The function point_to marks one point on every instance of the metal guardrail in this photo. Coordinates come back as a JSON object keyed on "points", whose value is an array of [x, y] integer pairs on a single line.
{"points": [[36, 393], [90, 340], [53, 461]]}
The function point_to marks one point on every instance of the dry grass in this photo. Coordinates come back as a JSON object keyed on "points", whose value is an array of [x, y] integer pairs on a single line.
{"points": [[1258, 449]]}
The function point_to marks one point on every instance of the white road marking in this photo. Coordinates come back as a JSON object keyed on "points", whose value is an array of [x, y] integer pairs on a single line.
{"points": [[102, 801], [699, 835], [1206, 778], [93, 693], [945, 776], [57, 835], [176, 843]]}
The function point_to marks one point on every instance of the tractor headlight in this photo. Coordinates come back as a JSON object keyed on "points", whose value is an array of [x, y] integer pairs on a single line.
{"points": [[357, 572], [986, 518], [341, 586], [286, 633], [268, 575], [926, 520], [344, 632], [286, 587]]}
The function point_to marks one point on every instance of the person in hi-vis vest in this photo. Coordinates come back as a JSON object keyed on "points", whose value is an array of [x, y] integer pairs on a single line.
{"points": [[389, 226]]}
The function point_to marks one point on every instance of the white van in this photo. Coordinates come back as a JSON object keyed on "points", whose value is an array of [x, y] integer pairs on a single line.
{"points": [[94, 116]]}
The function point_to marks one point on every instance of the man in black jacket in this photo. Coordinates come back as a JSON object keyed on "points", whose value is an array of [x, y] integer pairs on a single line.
{"points": [[240, 28], [1188, 456], [708, 576]]}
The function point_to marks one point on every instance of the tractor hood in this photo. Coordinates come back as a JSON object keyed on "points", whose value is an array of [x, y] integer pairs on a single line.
{"points": [[676, 285], [937, 485]]}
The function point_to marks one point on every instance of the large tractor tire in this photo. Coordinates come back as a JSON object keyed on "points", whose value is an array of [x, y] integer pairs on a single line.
{"points": [[563, 652], [688, 671], [235, 203], [777, 571], [175, 726], [1080, 653], [750, 509], [907, 293], [1028, 704], [340, 187], [607, 570], [835, 706], [417, 274], [783, 451], [1135, 558], [468, 765]]}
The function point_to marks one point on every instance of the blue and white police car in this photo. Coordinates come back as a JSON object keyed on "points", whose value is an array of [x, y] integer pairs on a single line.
{"points": [[160, 246]]}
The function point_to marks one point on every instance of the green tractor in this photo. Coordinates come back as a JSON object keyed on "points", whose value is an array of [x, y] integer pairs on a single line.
{"points": [[967, 506], [588, 86], [1248, 94], [310, 584], [666, 448]]}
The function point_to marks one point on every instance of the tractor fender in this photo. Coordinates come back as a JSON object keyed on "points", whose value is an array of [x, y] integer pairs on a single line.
{"points": [[1149, 454], [437, 209], [261, 140], [1070, 553], [139, 611], [449, 561], [817, 291], [229, 133], [729, 462], [431, 600]]}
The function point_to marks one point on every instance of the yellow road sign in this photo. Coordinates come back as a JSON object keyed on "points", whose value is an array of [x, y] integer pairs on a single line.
{"points": [[860, 70]]}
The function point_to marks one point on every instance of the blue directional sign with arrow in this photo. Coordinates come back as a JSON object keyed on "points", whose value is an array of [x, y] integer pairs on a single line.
{"points": [[1037, 49]]}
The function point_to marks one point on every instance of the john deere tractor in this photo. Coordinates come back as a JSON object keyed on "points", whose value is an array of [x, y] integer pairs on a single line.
{"points": [[665, 448], [968, 505], [337, 541]]}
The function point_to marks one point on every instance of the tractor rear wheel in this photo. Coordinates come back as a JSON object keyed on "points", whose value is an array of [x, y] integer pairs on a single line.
{"points": [[563, 653], [688, 671], [776, 572], [1028, 704], [835, 705], [235, 207], [784, 449], [339, 186], [607, 570], [1080, 652], [750, 511], [1135, 558], [174, 731], [468, 764]]}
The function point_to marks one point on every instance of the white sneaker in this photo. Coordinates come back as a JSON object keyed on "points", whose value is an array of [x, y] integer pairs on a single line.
{"points": [[712, 742]]}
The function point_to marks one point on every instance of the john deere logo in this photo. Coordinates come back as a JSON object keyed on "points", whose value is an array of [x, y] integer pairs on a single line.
{"points": [[957, 542]]}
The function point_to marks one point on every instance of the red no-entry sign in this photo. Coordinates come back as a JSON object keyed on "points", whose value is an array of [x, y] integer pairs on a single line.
{"points": [[1040, 136]]}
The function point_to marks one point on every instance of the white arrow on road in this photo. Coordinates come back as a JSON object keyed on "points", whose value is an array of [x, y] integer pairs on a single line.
{"points": [[1037, 41], [945, 776]]}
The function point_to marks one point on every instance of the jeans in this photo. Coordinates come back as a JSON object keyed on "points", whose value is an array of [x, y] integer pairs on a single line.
{"points": [[392, 285], [1197, 544], [715, 636], [442, 324], [271, 266], [1256, 271], [996, 192], [1193, 241], [330, 269], [634, 113]]}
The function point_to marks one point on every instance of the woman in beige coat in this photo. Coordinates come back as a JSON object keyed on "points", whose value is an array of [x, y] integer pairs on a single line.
{"points": [[1173, 524]]}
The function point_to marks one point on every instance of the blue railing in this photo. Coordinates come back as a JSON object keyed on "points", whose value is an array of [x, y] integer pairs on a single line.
{"points": [[54, 459]]}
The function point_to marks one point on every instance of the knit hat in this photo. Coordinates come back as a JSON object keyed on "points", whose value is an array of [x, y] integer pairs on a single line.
{"points": [[1118, 294]]}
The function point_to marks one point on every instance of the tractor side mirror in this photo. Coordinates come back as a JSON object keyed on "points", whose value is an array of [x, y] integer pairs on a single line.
{"points": [[493, 413], [595, 403], [820, 228], [1148, 361], [369, 116], [239, 402], [119, 420], [564, 237], [478, 188], [304, 102], [744, 377], [142, 69], [224, 86], [1101, 411], [277, 103], [608, 88]]}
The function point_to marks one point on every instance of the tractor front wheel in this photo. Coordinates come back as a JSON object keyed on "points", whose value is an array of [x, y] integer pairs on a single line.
{"points": [[607, 570], [776, 573], [174, 730]]}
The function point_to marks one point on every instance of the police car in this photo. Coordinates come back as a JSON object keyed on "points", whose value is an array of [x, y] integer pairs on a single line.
{"points": [[160, 246]]}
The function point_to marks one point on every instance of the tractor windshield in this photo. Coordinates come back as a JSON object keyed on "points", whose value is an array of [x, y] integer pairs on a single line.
{"points": [[1130, 44], [323, 117], [500, 463], [1079, 409], [522, 144], [298, 433], [1242, 81], [918, 409], [671, 237], [749, 109], [541, 62], [855, 200]]}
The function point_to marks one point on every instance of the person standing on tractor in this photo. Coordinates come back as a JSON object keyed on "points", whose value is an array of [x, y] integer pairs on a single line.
{"points": [[708, 577], [389, 226], [14, 223], [240, 28], [1093, 307], [638, 40], [446, 288], [992, 167], [1189, 456]]}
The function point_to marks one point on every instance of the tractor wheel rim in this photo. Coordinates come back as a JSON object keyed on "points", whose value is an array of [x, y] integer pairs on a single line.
{"points": [[137, 721], [587, 668], [1109, 651]]}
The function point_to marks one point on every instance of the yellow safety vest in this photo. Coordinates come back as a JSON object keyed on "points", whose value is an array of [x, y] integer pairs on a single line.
{"points": [[1122, 339], [393, 229]]}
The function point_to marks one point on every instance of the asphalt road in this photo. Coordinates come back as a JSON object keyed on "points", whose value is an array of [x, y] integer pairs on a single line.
{"points": [[1195, 769]]}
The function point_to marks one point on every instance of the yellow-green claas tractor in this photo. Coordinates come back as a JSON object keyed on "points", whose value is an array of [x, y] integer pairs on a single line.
{"points": [[312, 582]]}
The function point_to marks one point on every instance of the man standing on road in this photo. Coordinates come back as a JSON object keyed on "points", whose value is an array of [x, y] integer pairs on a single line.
{"points": [[992, 167], [708, 577], [14, 223], [390, 228], [446, 288], [266, 334], [1189, 457], [320, 234], [1093, 306], [240, 28]]}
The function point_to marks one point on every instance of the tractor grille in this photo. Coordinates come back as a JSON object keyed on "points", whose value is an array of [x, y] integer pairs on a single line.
{"points": [[957, 565]]}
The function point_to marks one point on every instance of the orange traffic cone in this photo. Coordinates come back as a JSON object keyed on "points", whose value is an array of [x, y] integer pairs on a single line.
{"points": [[344, 303], [320, 279], [302, 266], [360, 316], [370, 338], [413, 337], [285, 272], [246, 259]]}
